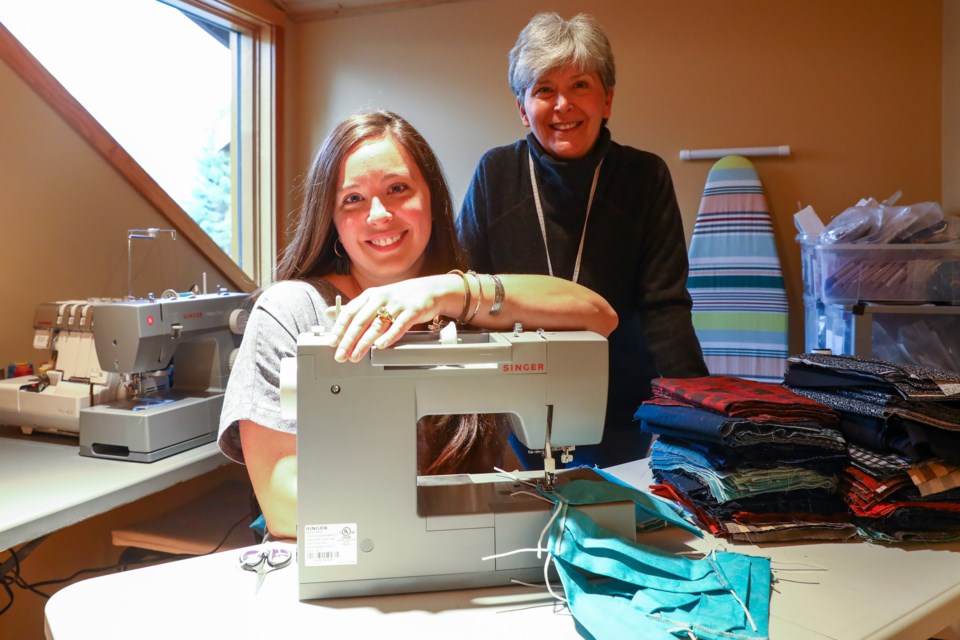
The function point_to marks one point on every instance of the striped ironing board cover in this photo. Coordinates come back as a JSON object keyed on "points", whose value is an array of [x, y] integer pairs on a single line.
{"points": [[739, 302]]}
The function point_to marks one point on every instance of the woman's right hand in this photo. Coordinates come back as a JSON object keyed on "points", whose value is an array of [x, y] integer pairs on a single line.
{"points": [[379, 316]]}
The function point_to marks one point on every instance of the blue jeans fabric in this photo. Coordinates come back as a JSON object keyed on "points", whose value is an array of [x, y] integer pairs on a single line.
{"points": [[739, 483], [692, 423], [766, 456], [814, 501]]}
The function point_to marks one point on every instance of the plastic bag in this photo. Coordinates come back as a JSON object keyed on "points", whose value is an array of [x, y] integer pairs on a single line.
{"points": [[947, 230], [872, 222]]}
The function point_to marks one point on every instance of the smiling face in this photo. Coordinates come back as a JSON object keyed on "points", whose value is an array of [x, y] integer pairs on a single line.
{"points": [[382, 212], [565, 109]]}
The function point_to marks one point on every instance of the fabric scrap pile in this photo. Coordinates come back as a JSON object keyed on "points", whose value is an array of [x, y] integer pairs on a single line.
{"points": [[902, 423], [752, 461]]}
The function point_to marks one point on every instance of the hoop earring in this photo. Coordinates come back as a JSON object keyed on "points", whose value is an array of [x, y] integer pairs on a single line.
{"points": [[343, 261]]}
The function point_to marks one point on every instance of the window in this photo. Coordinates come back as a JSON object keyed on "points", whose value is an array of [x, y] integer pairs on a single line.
{"points": [[186, 89]]}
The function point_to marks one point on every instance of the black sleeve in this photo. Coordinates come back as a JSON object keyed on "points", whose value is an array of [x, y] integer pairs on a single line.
{"points": [[664, 302], [472, 223]]}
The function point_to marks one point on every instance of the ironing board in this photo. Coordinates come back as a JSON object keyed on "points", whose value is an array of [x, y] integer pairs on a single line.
{"points": [[739, 302]]}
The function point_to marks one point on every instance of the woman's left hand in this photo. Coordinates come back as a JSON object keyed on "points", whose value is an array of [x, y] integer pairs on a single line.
{"points": [[379, 316]]}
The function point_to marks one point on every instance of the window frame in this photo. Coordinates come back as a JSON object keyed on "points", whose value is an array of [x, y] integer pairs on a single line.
{"points": [[258, 157]]}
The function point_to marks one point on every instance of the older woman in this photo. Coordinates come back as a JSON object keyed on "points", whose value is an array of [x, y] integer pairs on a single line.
{"points": [[568, 201], [376, 227]]}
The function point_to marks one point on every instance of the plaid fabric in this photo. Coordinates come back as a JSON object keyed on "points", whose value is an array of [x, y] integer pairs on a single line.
{"points": [[865, 494], [876, 464], [886, 508], [934, 476], [741, 398], [867, 490]]}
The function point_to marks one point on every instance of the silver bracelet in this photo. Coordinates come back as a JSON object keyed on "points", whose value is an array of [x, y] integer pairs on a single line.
{"points": [[466, 294], [497, 295], [476, 309]]}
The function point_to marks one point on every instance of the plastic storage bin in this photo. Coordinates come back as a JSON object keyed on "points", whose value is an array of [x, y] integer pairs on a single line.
{"points": [[810, 270], [925, 335], [851, 273], [814, 324]]}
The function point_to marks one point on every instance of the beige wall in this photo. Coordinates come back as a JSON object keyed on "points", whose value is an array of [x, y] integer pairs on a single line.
{"points": [[64, 216], [854, 87], [951, 107]]}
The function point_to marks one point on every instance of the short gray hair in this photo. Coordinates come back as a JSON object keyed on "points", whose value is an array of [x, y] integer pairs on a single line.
{"points": [[549, 42]]}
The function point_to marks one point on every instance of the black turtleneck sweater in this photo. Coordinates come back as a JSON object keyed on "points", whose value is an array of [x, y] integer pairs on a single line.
{"points": [[634, 255]]}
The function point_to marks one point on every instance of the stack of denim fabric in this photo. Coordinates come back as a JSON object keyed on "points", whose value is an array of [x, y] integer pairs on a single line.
{"points": [[752, 461], [903, 426]]}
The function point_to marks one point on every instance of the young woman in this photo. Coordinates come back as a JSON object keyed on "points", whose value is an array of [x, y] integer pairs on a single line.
{"points": [[569, 201], [376, 227]]}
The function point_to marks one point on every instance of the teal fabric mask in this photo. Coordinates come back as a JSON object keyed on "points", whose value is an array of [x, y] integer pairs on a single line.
{"points": [[651, 513], [637, 591]]}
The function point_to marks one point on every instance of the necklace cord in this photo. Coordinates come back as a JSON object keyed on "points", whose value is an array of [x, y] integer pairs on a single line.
{"points": [[543, 225]]}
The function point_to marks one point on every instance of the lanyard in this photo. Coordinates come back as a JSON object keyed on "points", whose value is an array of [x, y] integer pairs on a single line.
{"points": [[543, 226]]}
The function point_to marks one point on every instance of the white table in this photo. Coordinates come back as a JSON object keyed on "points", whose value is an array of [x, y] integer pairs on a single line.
{"points": [[864, 591], [211, 597], [47, 485]]}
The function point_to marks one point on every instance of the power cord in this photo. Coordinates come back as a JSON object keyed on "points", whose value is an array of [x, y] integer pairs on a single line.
{"points": [[13, 578], [9, 591]]}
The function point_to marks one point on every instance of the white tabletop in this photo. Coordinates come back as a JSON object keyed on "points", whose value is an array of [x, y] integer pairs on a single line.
{"points": [[46, 484], [824, 590], [211, 597]]}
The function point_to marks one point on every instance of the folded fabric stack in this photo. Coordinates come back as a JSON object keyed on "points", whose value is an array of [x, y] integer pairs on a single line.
{"points": [[902, 423], [752, 461]]}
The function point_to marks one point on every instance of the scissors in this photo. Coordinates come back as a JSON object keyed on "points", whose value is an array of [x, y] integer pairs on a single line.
{"points": [[263, 561]]}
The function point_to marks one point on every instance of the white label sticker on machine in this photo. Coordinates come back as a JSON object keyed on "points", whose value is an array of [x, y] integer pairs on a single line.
{"points": [[325, 545]]}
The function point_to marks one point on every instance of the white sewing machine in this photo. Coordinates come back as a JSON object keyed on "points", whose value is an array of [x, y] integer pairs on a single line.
{"points": [[367, 524], [163, 409], [51, 400]]}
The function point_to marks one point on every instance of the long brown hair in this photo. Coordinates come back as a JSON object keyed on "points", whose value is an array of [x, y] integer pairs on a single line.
{"points": [[460, 444], [310, 252], [446, 444]]}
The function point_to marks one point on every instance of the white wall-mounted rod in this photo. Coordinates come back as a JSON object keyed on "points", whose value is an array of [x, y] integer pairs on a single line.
{"points": [[707, 154]]}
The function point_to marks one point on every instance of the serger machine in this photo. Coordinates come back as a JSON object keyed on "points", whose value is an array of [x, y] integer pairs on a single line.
{"points": [[51, 400], [173, 355], [367, 524]]}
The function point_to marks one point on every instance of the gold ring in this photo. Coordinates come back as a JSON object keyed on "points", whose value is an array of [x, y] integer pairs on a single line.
{"points": [[383, 314]]}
